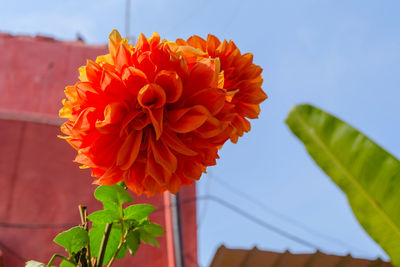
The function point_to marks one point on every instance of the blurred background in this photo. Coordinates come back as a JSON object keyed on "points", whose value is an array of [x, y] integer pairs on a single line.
{"points": [[342, 56]]}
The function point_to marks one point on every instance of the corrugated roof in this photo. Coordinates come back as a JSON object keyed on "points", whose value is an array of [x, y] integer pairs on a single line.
{"points": [[225, 257]]}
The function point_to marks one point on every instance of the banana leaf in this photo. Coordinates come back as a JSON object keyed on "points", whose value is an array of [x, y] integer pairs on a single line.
{"points": [[365, 172]]}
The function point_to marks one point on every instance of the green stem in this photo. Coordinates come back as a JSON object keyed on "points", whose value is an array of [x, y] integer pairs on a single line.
{"points": [[58, 256], [85, 225], [121, 243], [103, 245]]}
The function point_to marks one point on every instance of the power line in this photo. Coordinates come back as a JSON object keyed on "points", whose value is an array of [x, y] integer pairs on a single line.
{"points": [[203, 211], [260, 222], [220, 201], [282, 216], [36, 226], [12, 252]]}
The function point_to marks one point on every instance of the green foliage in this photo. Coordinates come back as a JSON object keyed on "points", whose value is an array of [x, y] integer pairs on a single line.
{"points": [[129, 227], [104, 216], [138, 212], [133, 241], [113, 193], [65, 263], [73, 239], [367, 174]]}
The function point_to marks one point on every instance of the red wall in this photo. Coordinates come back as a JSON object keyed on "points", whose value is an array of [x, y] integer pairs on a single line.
{"points": [[39, 183]]}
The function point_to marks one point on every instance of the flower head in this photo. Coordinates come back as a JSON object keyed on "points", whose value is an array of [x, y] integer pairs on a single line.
{"points": [[150, 116], [242, 79]]}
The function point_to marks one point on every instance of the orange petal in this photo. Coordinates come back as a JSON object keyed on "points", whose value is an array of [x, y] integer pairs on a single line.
{"points": [[197, 42], [187, 119], [142, 44], [204, 74], [250, 111], [134, 79], [135, 176], [110, 177], [113, 113], [146, 64], [171, 83], [211, 128], [86, 120], [129, 150], [154, 40], [212, 44], [192, 169], [123, 56], [211, 98], [174, 184], [151, 96], [93, 71], [156, 116], [163, 155], [155, 170], [113, 85], [176, 144]]}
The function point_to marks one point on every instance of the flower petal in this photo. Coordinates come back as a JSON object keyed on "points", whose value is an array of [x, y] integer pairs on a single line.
{"points": [[129, 150], [187, 119], [171, 83]]}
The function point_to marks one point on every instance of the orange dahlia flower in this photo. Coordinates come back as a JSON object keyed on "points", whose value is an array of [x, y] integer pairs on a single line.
{"points": [[242, 79], [152, 117]]}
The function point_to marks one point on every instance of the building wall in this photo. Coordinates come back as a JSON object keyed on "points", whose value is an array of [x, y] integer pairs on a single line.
{"points": [[39, 183]]}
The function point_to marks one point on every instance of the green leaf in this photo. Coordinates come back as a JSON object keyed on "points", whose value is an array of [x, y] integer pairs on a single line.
{"points": [[368, 175], [122, 252], [104, 216], [133, 241], [35, 264], [111, 206], [147, 238], [73, 239], [96, 235], [154, 229], [138, 211], [113, 193], [65, 263]]}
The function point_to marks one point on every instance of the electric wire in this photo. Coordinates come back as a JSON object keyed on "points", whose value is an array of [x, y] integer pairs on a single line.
{"points": [[203, 211], [12, 252], [36, 226], [218, 200], [282, 216], [249, 217]]}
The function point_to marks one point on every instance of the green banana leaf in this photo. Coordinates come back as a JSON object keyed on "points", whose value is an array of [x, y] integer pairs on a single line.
{"points": [[367, 174]]}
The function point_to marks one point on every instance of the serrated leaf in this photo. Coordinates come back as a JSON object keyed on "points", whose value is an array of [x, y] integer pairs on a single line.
{"points": [[133, 241], [147, 238], [154, 229], [138, 211], [73, 239], [104, 216], [34, 264], [367, 174], [65, 263], [96, 235], [113, 193]]}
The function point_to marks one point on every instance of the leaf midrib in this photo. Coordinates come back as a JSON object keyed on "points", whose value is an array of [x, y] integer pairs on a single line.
{"points": [[348, 174]]}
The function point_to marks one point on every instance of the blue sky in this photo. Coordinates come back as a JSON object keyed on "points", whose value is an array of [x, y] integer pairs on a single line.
{"points": [[342, 56]]}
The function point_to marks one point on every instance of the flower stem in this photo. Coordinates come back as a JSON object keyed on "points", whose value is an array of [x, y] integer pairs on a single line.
{"points": [[103, 245], [121, 242], [85, 225], [57, 256]]}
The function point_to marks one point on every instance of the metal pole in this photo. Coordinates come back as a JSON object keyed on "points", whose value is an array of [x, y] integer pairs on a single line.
{"points": [[127, 18], [177, 230]]}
